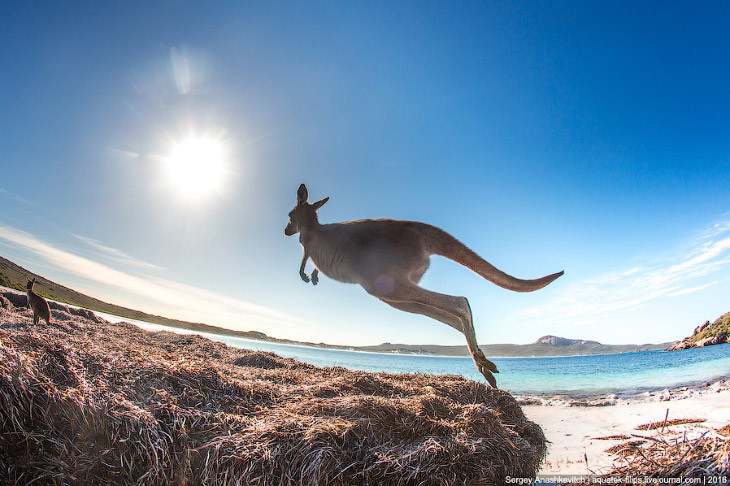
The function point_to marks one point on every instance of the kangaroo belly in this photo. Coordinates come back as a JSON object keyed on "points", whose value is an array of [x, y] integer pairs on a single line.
{"points": [[336, 270]]}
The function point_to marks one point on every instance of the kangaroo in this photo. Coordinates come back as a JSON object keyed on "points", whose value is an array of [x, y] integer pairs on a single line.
{"points": [[38, 304], [388, 258]]}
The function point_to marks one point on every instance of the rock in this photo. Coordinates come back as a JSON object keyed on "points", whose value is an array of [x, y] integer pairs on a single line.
{"points": [[680, 345], [710, 341], [18, 300], [6, 304]]}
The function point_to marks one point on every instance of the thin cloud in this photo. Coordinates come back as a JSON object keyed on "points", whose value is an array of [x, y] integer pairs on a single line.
{"points": [[164, 296], [16, 198], [114, 254], [681, 274], [693, 289]]}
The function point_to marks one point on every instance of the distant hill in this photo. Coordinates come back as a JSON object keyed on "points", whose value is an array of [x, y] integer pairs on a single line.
{"points": [[15, 277], [707, 334], [545, 346], [560, 341]]}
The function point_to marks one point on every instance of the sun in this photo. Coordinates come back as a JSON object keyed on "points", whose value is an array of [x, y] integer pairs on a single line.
{"points": [[196, 167]]}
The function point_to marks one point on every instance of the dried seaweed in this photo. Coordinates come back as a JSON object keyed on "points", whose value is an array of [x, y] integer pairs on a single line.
{"points": [[669, 423], [84, 401], [672, 456]]}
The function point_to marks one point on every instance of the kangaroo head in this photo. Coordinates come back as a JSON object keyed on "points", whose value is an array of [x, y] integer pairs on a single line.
{"points": [[304, 214], [29, 286]]}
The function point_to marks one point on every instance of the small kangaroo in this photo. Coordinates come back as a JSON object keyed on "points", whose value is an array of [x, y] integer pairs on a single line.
{"points": [[38, 304], [388, 258]]}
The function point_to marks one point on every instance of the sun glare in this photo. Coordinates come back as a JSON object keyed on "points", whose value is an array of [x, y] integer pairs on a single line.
{"points": [[196, 167]]}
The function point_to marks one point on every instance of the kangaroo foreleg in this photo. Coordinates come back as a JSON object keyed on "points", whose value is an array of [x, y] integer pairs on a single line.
{"points": [[305, 257], [315, 276]]}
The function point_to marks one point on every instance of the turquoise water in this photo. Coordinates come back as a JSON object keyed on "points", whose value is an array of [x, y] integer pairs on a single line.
{"points": [[615, 373], [574, 375]]}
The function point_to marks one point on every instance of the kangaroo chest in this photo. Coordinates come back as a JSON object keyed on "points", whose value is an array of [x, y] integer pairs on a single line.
{"points": [[330, 258]]}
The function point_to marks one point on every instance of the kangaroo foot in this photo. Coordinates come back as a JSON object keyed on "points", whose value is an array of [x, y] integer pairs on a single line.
{"points": [[490, 366], [485, 367], [487, 374]]}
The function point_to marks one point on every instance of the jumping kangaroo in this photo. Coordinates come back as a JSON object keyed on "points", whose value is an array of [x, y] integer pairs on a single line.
{"points": [[388, 258], [38, 304]]}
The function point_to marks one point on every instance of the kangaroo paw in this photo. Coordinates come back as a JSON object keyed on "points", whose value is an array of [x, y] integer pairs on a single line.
{"points": [[315, 278], [304, 277]]}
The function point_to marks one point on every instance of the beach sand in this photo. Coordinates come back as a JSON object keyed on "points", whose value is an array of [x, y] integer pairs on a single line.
{"points": [[573, 429]]}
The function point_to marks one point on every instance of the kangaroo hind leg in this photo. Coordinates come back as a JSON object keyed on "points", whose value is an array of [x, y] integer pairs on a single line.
{"points": [[432, 312], [471, 341], [454, 311]]}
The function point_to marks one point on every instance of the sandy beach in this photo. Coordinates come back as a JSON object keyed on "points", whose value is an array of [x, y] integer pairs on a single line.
{"points": [[574, 430]]}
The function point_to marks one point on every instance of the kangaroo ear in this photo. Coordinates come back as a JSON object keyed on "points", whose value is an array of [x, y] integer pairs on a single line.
{"points": [[320, 203], [302, 194]]}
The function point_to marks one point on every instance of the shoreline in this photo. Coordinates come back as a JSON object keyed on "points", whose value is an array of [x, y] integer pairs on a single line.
{"points": [[337, 347], [647, 394]]}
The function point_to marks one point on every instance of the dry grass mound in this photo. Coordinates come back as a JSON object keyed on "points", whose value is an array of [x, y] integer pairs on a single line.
{"points": [[87, 402]]}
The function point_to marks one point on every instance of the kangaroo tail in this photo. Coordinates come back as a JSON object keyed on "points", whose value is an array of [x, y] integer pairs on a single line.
{"points": [[446, 245]]}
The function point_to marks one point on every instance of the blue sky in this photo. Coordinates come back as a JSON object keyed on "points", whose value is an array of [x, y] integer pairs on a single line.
{"points": [[580, 136]]}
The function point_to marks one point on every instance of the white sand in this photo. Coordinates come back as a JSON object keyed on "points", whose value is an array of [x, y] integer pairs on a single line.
{"points": [[572, 430]]}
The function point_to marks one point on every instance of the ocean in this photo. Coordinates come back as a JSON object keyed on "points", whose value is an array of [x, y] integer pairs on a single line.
{"points": [[621, 374]]}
